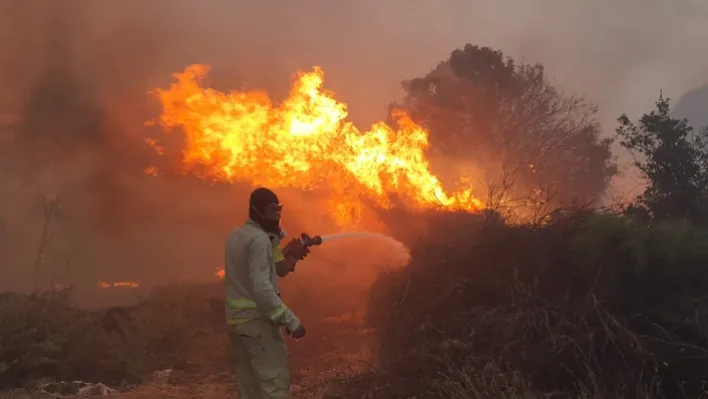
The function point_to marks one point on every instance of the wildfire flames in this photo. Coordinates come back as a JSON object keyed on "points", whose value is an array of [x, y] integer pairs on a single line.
{"points": [[305, 142], [220, 273], [118, 284]]}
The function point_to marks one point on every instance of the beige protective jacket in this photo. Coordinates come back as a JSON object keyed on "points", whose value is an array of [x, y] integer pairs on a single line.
{"points": [[251, 281]]}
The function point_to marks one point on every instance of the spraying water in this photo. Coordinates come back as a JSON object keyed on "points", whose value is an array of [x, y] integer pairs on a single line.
{"points": [[398, 247], [344, 235]]}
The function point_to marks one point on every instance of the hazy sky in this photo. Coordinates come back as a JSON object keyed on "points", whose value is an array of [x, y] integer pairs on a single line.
{"points": [[618, 53]]}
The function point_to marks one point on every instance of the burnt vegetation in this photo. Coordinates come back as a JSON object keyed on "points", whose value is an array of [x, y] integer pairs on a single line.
{"points": [[569, 301]]}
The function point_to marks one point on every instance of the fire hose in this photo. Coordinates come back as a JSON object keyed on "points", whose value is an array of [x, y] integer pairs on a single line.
{"points": [[308, 241]]}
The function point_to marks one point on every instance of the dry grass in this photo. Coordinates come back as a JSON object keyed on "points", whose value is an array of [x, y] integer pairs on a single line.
{"points": [[176, 327], [591, 306], [44, 336]]}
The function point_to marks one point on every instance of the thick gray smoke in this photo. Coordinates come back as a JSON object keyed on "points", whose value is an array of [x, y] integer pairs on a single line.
{"points": [[694, 106], [75, 76]]}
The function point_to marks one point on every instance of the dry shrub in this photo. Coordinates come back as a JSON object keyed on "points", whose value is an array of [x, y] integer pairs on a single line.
{"points": [[589, 306], [164, 330], [43, 336]]}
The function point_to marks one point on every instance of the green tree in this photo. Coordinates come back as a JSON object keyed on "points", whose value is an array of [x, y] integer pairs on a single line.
{"points": [[673, 159], [509, 121]]}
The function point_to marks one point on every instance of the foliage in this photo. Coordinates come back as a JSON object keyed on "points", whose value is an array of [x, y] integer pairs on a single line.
{"points": [[510, 121], [42, 336], [164, 330], [673, 159], [589, 306]]}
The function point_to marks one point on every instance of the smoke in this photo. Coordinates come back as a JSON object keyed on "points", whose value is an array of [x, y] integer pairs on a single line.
{"points": [[75, 77]]}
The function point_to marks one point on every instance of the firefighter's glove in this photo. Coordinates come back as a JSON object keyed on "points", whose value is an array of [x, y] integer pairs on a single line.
{"points": [[296, 249], [298, 333]]}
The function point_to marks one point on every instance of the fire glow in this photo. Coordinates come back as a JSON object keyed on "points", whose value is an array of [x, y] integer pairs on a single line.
{"points": [[118, 284], [305, 142]]}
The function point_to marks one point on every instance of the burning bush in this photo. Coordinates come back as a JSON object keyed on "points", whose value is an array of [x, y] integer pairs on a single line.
{"points": [[592, 305]]}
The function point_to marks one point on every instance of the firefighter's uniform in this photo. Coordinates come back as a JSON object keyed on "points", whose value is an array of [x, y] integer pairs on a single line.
{"points": [[255, 313]]}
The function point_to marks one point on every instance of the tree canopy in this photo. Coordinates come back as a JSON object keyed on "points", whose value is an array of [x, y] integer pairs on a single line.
{"points": [[508, 119], [673, 159]]}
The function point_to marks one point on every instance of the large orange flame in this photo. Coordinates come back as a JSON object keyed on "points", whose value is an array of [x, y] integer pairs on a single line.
{"points": [[305, 142]]}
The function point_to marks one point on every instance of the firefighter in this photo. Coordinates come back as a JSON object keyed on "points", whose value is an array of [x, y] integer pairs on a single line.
{"points": [[254, 310]]}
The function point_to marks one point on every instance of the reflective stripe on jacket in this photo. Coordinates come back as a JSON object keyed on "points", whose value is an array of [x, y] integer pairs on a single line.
{"points": [[277, 254], [251, 281]]}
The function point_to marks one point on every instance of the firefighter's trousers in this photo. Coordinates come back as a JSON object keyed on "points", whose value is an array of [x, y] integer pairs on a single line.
{"points": [[261, 358]]}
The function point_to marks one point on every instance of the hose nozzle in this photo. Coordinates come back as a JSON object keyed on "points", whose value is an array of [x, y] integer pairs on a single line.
{"points": [[308, 241]]}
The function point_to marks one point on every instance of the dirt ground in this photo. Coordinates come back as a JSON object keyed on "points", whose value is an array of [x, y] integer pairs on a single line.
{"points": [[334, 350]]}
